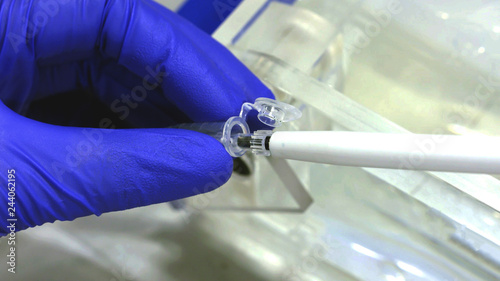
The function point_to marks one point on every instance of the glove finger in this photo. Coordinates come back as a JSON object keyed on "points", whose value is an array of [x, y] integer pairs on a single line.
{"points": [[245, 77], [140, 35], [65, 173], [193, 80], [139, 101]]}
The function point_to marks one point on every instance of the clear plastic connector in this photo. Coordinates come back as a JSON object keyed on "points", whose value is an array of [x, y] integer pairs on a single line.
{"points": [[271, 112], [258, 142], [233, 128], [235, 134]]}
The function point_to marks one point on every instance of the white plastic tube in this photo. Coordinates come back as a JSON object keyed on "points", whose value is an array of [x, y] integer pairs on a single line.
{"points": [[469, 154]]}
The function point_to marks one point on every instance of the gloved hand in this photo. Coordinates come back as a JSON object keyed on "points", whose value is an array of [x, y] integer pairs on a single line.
{"points": [[150, 67]]}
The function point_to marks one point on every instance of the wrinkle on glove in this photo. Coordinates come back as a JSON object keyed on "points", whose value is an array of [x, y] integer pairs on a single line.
{"points": [[150, 67]]}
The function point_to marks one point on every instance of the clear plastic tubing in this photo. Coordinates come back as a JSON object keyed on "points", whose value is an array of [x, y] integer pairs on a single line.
{"points": [[226, 133], [214, 129]]}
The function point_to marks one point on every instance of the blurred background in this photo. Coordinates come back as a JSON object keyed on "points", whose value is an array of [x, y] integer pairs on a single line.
{"points": [[375, 66]]}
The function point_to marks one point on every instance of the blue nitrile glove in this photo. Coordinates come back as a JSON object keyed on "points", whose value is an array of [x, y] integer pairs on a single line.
{"points": [[207, 15], [150, 67]]}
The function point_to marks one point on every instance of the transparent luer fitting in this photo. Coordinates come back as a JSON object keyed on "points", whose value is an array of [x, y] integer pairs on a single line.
{"points": [[271, 112], [247, 193], [235, 133]]}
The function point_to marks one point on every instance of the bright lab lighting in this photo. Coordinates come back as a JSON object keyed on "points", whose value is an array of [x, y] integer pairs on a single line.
{"points": [[410, 268], [489, 221], [365, 251], [445, 16], [458, 129], [394, 278]]}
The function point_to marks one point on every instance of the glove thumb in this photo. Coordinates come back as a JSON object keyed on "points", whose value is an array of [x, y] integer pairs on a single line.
{"points": [[63, 173]]}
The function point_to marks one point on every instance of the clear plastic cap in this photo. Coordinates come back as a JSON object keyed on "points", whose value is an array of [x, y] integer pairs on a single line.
{"points": [[271, 112]]}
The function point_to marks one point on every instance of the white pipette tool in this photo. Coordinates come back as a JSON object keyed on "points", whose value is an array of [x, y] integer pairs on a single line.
{"points": [[468, 154]]}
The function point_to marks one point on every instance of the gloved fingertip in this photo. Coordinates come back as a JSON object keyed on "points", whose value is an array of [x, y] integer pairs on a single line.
{"points": [[165, 165]]}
